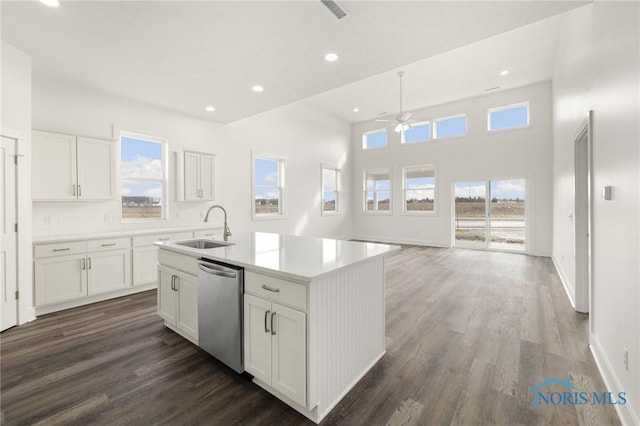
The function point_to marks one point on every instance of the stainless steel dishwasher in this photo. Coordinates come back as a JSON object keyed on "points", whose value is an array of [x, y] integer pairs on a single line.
{"points": [[220, 291]]}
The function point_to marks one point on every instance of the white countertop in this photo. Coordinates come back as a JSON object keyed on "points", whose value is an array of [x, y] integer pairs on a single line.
{"points": [[43, 239], [285, 255]]}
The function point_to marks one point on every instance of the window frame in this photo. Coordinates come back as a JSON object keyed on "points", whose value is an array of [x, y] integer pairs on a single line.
{"points": [[437, 120], [281, 214], [433, 212], [164, 149], [337, 191], [430, 138], [507, 107], [365, 173], [364, 139]]}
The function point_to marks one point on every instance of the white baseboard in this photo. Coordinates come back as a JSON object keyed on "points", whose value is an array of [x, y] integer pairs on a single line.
{"points": [[564, 281], [625, 412], [399, 241]]}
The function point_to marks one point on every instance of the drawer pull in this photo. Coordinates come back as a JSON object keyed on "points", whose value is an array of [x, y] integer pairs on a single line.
{"points": [[273, 330], [266, 287], [266, 315], [63, 249], [163, 239], [108, 245]]}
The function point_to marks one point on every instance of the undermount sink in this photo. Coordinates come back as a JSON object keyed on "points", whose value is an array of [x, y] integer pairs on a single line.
{"points": [[203, 244]]}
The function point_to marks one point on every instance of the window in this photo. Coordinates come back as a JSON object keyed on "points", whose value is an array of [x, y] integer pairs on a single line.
{"points": [[142, 177], [330, 184], [419, 132], [268, 187], [449, 127], [509, 116], [419, 188], [374, 139], [377, 190]]}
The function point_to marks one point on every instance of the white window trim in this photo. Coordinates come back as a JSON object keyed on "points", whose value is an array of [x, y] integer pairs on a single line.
{"points": [[281, 187], [403, 143], [364, 139], [433, 212], [436, 120], [338, 191], [364, 191], [164, 143], [506, 107]]}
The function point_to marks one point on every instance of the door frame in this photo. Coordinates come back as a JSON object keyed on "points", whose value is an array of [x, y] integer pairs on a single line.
{"points": [[24, 270], [487, 244], [11, 205], [583, 197]]}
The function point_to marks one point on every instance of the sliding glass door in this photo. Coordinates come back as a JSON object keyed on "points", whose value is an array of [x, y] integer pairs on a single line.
{"points": [[490, 214]]}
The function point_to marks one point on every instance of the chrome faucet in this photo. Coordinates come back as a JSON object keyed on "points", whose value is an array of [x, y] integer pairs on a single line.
{"points": [[227, 232]]}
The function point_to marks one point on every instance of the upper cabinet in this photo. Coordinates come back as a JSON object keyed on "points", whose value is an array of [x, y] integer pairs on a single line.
{"points": [[194, 176], [67, 168]]}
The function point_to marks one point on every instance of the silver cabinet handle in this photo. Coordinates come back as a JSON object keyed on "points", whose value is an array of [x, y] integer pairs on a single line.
{"points": [[89, 260], [74, 190], [108, 245], [173, 277], [84, 265], [273, 330], [175, 283], [266, 287], [79, 191], [266, 315], [62, 249]]}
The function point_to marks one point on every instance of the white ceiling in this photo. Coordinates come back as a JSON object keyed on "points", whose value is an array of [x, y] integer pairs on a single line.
{"points": [[186, 55]]}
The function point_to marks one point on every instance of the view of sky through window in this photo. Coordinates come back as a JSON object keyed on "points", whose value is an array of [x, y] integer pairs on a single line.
{"points": [[449, 127], [506, 118], [377, 139], [142, 177], [418, 132]]}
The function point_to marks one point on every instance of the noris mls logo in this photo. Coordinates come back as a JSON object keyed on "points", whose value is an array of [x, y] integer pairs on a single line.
{"points": [[572, 396]]}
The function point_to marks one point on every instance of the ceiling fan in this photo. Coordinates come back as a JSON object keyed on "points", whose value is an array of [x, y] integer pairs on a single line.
{"points": [[403, 120]]}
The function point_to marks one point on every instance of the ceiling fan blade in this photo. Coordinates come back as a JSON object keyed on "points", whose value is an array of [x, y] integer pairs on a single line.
{"points": [[387, 121], [404, 117]]}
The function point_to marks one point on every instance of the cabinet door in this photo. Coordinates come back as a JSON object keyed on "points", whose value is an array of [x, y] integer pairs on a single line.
{"points": [[145, 265], [60, 278], [108, 270], [257, 338], [187, 317], [206, 176], [191, 178], [289, 354], [96, 169], [167, 297], [53, 167]]}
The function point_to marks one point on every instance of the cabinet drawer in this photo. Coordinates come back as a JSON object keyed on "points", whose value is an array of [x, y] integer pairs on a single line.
{"points": [[145, 240], [108, 244], [276, 289], [181, 262], [59, 249]]}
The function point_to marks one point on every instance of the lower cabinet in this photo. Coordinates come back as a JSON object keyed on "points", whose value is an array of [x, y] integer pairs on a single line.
{"points": [[178, 301], [60, 279], [275, 346], [108, 271]]}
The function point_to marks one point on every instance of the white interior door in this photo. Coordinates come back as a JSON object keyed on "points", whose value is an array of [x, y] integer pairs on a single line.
{"points": [[8, 266]]}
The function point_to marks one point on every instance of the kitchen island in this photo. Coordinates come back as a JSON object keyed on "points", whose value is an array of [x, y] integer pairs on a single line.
{"points": [[314, 320]]}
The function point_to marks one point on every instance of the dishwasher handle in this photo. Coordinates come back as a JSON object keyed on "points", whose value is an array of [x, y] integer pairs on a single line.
{"points": [[216, 270]]}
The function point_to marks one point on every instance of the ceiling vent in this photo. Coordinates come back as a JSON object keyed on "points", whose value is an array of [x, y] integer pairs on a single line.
{"points": [[334, 8]]}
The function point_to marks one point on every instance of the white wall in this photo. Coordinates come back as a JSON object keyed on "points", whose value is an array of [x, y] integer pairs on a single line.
{"points": [[480, 155], [304, 135], [597, 68], [16, 122]]}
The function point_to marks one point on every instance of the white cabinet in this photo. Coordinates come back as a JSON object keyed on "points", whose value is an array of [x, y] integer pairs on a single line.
{"points": [[178, 301], [145, 255], [70, 271], [67, 168], [275, 341], [194, 176]]}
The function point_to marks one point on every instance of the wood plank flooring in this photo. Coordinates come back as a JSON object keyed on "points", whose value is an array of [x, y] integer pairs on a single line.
{"points": [[468, 333]]}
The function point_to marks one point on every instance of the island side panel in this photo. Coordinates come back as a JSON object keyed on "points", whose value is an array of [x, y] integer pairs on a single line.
{"points": [[347, 330]]}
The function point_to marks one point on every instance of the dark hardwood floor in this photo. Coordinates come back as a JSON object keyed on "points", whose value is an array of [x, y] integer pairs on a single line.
{"points": [[468, 333]]}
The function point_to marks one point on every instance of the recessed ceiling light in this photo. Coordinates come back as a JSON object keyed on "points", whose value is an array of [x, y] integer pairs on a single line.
{"points": [[210, 108], [356, 109], [50, 3], [504, 72], [331, 57], [257, 88]]}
